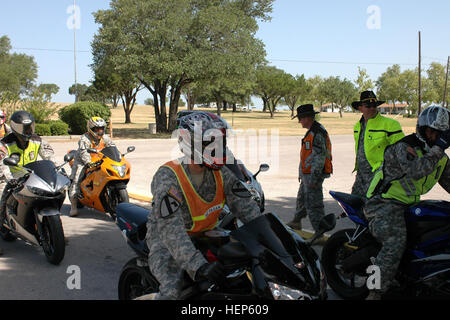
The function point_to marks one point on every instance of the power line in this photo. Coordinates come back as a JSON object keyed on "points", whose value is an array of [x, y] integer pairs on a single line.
{"points": [[52, 50], [343, 62], [272, 60]]}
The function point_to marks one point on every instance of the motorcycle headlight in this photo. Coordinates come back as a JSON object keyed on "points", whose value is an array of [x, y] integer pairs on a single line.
{"points": [[280, 292], [121, 170], [39, 192]]}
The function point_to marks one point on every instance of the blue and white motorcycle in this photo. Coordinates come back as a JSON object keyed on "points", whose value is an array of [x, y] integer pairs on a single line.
{"points": [[424, 270]]}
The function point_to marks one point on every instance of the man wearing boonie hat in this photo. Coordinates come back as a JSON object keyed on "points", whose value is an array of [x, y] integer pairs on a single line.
{"points": [[315, 166], [372, 133]]}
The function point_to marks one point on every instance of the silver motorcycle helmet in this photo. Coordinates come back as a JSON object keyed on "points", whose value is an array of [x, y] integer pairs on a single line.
{"points": [[434, 117]]}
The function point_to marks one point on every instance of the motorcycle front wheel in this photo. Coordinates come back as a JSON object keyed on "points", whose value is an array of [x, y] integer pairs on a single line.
{"points": [[136, 281], [53, 239], [114, 197]]}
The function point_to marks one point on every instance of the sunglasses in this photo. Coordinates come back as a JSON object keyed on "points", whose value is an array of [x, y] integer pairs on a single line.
{"points": [[368, 106]]}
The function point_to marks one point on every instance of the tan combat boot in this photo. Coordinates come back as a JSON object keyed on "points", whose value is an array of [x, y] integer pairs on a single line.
{"points": [[296, 223], [73, 207]]}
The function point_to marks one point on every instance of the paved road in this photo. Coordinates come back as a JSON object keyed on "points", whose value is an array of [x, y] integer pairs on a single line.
{"points": [[97, 247]]}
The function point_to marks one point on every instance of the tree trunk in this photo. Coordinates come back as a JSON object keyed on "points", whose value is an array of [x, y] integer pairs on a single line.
{"points": [[234, 107], [218, 108]]}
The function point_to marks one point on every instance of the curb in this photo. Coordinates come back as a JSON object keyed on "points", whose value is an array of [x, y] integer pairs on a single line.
{"points": [[140, 197]]}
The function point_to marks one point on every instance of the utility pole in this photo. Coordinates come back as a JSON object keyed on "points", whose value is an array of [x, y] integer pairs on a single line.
{"points": [[420, 76], [445, 103], [75, 49]]}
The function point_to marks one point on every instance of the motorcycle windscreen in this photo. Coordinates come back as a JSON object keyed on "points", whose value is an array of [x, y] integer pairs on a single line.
{"points": [[112, 153], [268, 240], [44, 169]]}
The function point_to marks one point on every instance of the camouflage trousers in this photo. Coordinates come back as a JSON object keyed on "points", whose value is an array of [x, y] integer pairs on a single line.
{"points": [[165, 269], [77, 171], [387, 224], [310, 201], [362, 183]]}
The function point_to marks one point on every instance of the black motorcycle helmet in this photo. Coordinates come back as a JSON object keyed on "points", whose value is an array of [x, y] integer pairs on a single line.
{"points": [[22, 124]]}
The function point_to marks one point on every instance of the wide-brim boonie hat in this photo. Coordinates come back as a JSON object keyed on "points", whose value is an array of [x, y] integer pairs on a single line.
{"points": [[305, 110], [368, 97]]}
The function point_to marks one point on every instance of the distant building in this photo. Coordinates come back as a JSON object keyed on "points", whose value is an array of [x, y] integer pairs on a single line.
{"points": [[398, 108]]}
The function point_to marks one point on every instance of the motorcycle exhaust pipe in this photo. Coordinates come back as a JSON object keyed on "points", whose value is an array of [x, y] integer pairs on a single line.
{"points": [[21, 232]]}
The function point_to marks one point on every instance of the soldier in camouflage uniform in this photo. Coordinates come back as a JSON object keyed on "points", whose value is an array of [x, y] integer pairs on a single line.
{"points": [[188, 197], [315, 166], [373, 133], [96, 139], [411, 168], [24, 144]]}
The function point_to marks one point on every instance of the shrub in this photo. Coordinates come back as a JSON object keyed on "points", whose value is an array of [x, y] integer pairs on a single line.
{"points": [[76, 115], [59, 128], [42, 129]]}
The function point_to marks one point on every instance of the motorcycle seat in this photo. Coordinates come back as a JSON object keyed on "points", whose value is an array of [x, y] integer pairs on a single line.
{"points": [[356, 202], [132, 214]]}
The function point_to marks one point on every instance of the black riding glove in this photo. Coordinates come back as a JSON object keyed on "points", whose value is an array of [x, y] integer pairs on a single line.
{"points": [[214, 272]]}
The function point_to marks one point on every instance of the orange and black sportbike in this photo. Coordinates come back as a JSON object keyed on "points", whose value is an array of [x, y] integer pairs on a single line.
{"points": [[104, 183]]}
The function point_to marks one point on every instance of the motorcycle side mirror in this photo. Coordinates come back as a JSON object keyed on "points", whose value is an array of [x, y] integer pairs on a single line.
{"points": [[130, 149], [91, 150], [262, 168], [68, 157], [11, 161]]}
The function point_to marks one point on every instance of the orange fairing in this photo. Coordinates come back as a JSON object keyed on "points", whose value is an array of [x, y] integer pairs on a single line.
{"points": [[97, 177]]}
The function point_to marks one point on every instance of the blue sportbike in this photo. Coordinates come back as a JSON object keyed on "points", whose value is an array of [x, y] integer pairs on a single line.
{"points": [[424, 270]]}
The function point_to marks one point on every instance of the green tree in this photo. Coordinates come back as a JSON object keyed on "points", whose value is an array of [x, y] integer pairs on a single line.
{"points": [[388, 85], [338, 92], [298, 92], [169, 44], [272, 84], [79, 91], [363, 81]]}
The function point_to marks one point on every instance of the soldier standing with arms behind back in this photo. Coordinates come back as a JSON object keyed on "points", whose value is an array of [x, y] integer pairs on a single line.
{"points": [[315, 166]]}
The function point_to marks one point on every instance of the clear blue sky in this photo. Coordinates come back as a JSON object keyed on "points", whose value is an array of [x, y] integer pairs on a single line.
{"points": [[305, 33]]}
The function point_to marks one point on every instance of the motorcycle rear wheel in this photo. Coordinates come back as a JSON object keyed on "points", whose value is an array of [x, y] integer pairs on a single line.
{"points": [[335, 250], [136, 281], [53, 243]]}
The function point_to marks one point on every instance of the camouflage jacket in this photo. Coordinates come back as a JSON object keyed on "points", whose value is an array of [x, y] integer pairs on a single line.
{"points": [[318, 156], [172, 230], [83, 157], [399, 162]]}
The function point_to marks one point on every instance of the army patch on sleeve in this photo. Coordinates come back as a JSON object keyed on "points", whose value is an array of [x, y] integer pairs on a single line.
{"points": [[174, 193], [169, 206], [308, 145]]}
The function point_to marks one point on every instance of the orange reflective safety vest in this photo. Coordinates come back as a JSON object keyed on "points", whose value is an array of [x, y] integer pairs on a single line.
{"points": [[205, 215], [307, 148], [2, 131], [99, 147]]}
